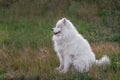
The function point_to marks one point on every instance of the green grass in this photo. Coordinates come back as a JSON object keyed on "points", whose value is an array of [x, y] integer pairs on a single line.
{"points": [[24, 34], [19, 34], [27, 53]]}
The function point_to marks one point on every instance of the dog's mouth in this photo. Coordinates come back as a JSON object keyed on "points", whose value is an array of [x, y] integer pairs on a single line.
{"points": [[55, 33]]}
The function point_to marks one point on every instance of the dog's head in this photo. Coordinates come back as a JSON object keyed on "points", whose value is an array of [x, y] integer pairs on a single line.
{"points": [[61, 24]]}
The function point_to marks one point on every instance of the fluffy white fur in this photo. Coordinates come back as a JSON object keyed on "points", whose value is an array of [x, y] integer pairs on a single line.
{"points": [[72, 49]]}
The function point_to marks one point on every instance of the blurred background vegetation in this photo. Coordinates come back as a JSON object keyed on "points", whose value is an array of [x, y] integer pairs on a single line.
{"points": [[20, 20], [25, 36]]}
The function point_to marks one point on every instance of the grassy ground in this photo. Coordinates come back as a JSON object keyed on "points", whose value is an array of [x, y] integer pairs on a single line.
{"points": [[26, 53], [26, 49], [30, 64]]}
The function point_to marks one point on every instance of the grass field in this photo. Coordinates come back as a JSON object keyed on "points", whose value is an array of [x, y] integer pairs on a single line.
{"points": [[26, 48], [27, 53]]}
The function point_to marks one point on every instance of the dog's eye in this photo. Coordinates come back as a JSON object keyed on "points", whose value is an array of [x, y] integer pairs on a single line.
{"points": [[58, 26]]}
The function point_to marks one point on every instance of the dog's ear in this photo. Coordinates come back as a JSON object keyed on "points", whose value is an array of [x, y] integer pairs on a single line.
{"points": [[64, 20]]}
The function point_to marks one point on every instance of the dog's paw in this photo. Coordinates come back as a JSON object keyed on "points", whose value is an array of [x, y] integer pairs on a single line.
{"points": [[58, 68], [62, 71]]}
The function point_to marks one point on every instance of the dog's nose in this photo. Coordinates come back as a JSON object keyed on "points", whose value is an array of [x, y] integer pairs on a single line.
{"points": [[52, 29]]}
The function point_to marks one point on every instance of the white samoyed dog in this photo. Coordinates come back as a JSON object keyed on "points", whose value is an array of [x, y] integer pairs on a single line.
{"points": [[73, 50]]}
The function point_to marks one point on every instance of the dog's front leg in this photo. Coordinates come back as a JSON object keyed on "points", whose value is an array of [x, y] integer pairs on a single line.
{"points": [[60, 56], [67, 63]]}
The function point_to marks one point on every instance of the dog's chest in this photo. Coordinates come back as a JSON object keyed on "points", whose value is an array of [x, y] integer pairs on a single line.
{"points": [[62, 47]]}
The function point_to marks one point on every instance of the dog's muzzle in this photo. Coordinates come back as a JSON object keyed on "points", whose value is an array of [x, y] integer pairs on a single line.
{"points": [[55, 33]]}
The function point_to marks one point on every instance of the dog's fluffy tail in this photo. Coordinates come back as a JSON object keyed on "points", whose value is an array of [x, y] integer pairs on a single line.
{"points": [[104, 61]]}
